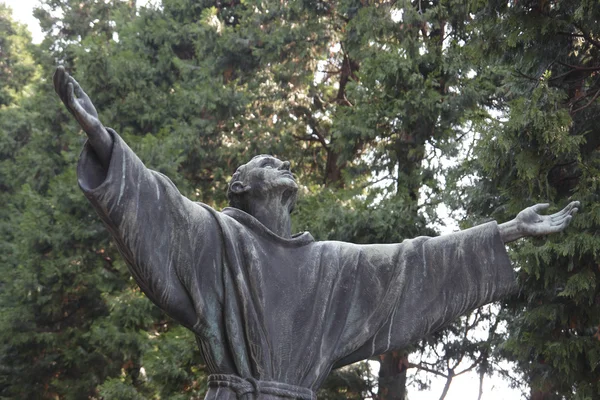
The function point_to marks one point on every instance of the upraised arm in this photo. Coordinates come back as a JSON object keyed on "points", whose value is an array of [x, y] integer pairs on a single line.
{"points": [[149, 219], [79, 104], [530, 223]]}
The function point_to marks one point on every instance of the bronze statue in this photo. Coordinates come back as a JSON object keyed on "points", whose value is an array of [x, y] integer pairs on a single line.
{"points": [[273, 312]]}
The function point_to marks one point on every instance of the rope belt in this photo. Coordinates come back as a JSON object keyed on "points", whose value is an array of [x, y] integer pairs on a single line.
{"points": [[224, 387]]}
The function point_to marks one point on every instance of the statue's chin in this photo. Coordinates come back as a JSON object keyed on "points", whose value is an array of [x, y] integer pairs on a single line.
{"points": [[289, 197], [282, 184]]}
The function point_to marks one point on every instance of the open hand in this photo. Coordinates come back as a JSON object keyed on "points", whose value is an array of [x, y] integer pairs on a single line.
{"points": [[531, 223], [79, 104], [76, 100]]}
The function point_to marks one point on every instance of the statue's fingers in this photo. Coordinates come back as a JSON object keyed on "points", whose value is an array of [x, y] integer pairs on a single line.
{"points": [[576, 205], [81, 94], [540, 207], [574, 211], [73, 103], [560, 221], [559, 227], [76, 88], [70, 95], [565, 211], [56, 79], [565, 223], [568, 212], [60, 83], [571, 209]]}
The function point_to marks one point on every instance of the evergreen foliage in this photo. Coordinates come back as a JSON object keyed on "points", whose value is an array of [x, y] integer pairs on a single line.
{"points": [[363, 98], [545, 149]]}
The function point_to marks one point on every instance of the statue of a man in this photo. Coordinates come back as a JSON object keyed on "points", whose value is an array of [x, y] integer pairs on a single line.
{"points": [[273, 313]]}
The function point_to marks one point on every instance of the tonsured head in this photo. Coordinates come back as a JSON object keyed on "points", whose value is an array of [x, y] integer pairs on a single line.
{"points": [[263, 178]]}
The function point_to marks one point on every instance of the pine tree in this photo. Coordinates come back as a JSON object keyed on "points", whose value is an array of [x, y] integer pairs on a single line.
{"points": [[544, 148], [350, 92], [74, 323]]}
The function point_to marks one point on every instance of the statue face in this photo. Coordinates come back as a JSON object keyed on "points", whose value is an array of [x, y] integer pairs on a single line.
{"points": [[263, 178], [267, 173]]}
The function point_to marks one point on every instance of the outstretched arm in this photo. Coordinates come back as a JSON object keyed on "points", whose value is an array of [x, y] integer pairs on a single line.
{"points": [[530, 223], [79, 104], [153, 225]]}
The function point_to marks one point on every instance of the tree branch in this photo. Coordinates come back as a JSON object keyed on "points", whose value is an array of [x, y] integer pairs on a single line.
{"points": [[426, 369], [371, 183], [587, 104], [527, 76], [308, 138], [587, 36], [312, 123], [470, 368], [481, 376], [346, 73], [569, 34], [578, 68], [574, 68], [447, 384]]}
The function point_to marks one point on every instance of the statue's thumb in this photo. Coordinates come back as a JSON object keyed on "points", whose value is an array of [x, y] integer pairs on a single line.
{"points": [[56, 80]]}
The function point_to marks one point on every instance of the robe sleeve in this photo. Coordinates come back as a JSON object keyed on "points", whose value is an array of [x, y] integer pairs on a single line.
{"points": [[156, 229], [403, 292]]}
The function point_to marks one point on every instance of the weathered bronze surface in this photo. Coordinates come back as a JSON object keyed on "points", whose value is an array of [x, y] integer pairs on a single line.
{"points": [[273, 313]]}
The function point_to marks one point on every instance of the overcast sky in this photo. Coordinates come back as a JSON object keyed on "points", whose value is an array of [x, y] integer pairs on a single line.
{"points": [[23, 12]]}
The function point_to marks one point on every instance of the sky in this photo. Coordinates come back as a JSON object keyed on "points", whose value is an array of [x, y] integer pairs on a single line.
{"points": [[23, 12], [464, 387]]}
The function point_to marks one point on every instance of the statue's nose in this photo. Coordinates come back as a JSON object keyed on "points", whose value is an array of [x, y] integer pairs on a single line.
{"points": [[285, 165]]}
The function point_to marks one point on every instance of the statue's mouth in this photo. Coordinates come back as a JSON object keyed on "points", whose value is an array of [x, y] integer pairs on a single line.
{"points": [[289, 175]]}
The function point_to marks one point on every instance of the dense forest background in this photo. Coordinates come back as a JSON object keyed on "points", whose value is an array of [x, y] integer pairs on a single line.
{"points": [[388, 110]]}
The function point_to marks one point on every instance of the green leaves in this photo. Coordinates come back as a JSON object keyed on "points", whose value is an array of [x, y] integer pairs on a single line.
{"points": [[542, 151], [17, 66], [362, 98], [580, 286]]}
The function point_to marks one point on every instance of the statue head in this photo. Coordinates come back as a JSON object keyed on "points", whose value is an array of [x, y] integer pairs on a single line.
{"points": [[264, 178]]}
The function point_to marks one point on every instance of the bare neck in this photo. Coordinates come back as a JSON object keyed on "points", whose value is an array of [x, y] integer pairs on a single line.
{"points": [[272, 213]]}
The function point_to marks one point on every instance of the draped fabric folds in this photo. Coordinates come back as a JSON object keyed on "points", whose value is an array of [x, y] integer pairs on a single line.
{"points": [[285, 311]]}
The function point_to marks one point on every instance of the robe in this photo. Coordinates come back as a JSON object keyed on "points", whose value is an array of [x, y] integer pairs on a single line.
{"points": [[273, 316]]}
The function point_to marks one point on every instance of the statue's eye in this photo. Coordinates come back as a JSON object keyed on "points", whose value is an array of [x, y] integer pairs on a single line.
{"points": [[268, 166]]}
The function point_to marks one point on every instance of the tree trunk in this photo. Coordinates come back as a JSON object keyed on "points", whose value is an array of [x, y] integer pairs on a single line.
{"points": [[410, 151], [392, 376], [333, 171], [540, 395]]}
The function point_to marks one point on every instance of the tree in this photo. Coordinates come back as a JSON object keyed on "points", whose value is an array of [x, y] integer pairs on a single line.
{"points": [[16, 63], [351, 92], [72, 318], [545, 148]]}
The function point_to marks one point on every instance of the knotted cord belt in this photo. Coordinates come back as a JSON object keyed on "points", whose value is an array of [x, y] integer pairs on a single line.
{"points": [[230, 387]]}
